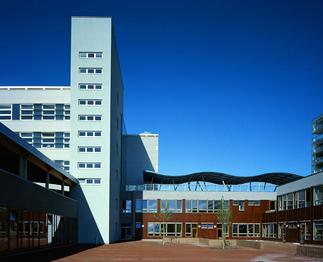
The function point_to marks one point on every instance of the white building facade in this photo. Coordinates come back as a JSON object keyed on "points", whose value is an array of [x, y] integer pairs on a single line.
{"points": [[80, 126]]}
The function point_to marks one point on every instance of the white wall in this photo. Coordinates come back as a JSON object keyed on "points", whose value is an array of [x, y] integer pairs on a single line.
{"points": [[306, 182], [99, 204], [140, 153]]}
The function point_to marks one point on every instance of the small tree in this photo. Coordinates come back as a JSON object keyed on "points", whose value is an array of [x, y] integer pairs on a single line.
{"points": [[224, 216], [163, 216]]}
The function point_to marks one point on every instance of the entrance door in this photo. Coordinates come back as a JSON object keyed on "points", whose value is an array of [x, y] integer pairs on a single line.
{"points": [[194, 230], [220, 233], [302, 233]]}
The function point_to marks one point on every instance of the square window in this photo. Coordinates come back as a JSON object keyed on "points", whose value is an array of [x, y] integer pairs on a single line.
{"points": [[98, 71], [90, 71]]}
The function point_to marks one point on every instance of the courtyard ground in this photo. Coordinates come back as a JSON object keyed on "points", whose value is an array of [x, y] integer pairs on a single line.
{"points": [[155, 251]]}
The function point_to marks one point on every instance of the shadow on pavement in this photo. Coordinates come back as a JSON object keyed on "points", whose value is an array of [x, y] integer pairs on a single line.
{"points": [[47, 254]]}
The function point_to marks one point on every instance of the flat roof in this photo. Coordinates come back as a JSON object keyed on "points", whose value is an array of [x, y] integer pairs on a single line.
{"points": [[16, 139], [35, 87]]}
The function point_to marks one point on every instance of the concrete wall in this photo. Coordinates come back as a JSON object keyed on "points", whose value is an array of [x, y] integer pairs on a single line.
{"points": [[90, 34], [39, 95], [140, 152], [115, 141]]}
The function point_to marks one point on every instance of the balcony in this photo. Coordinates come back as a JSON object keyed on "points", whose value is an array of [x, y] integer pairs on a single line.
{"points": [[318, 149], [318, 125], [318, 160], [318, 140]]}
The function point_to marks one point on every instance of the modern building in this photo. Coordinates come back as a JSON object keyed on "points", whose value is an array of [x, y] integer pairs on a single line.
{"points": [[36, 208], [317, 153], [80, 126], [70, 173]]}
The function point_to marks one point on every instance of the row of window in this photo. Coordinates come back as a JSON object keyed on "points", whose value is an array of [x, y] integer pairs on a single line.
{"points": [[89, 149], [280, 230], [157, 229], [90, 181], [90, 86], [89, 133], [175, 206], [301, 199], [245, 230], [89, 165], [90, 102], [90, 70], [90, 54], [35, 112], [90, 117], [5, 112], [47, 139], [192, 206]]}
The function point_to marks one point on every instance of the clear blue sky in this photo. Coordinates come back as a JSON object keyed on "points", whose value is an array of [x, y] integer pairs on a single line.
{"points": [[230, 86]]}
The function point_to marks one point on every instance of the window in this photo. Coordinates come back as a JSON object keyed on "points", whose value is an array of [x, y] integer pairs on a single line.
{"points": [[90, 117], [5, 112], [290, 201], [90, 181], [172, 206], [90, 70], [65, 164], [202, 206], [225, 229], [47, 139], [138, 205], [269, 230], [272, 205], [89, 86], [246, 229], [89, 149], [150, 206], [89, 165], [318, 195], [126, 206], [207, 225], [89, 133], [164, 229], [318, 230], [90, 54], [239, 203], [252, 203], [45, 112], [90, 102]]}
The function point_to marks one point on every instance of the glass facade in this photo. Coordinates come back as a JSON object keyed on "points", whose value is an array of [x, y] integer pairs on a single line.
{"points": [[21, 229]]}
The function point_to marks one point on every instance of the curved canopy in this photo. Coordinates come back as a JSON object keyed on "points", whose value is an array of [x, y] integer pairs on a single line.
{"points": [[219, 178]]}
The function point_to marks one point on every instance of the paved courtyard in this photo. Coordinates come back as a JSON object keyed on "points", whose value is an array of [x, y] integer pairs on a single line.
{"points": [[155, 251]]}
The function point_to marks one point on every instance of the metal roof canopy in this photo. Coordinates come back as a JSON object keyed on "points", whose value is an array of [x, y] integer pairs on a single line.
{"points": [[21, 147], [276, 178]]}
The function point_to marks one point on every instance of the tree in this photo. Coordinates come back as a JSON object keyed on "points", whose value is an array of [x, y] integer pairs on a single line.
{"points": [[163, 216], [224, 216]]}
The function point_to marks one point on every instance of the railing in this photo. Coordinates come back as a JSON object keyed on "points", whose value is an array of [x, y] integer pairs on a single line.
{"points": [[248, 187]]}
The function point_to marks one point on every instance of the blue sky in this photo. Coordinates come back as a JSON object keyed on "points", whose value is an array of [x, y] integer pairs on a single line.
{"points": [[230, 86]]}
